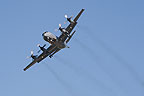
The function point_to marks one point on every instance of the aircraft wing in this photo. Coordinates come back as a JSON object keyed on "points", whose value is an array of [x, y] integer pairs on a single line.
{"points": [[77, 17], [50, 49], [71, 26], [32, 63]]}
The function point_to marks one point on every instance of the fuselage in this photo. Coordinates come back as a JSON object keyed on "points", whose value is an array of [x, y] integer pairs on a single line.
{"points": [[60, 44], [52, 39]]}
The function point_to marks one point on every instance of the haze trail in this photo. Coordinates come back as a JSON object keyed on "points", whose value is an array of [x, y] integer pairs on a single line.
{"points": [[67, 87], [119, 58], [85, 74], [97, 60]]}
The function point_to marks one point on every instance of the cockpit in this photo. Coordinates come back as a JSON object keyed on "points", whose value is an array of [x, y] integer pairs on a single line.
{"points": [[49, 37]]}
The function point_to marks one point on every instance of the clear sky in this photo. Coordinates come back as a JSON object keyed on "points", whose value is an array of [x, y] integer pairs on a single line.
{"points": [[105, 58]]}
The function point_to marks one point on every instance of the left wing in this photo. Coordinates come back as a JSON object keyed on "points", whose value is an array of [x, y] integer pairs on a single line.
{"points": [[56, 50], [50, 49], [32, 63]]}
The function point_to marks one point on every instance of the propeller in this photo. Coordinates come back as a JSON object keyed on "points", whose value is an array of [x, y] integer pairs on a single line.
{"points": [[68, 19], [66, 16], [56, 30], [32, 52], [31, 55], [59, 27], [38, 45]]}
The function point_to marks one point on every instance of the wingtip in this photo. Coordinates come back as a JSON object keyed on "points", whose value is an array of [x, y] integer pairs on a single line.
{"points": [[24, 69], [83, 9]]}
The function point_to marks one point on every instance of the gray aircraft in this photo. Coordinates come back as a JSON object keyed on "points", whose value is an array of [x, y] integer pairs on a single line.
{"points": [[57, 43]]}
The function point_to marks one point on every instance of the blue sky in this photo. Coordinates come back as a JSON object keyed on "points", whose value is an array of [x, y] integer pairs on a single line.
{"points": [[105, 58]]}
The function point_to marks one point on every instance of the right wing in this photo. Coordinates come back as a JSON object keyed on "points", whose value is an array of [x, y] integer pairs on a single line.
{"points": [[77, 17], [50, 49], [71, 26], [70, 37]]}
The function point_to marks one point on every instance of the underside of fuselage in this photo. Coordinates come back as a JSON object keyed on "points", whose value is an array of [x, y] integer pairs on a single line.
{"points": [[52, 39]]}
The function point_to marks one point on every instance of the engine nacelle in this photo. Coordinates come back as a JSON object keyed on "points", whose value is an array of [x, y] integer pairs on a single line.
{"points": [[49, 37], [64, 31]]}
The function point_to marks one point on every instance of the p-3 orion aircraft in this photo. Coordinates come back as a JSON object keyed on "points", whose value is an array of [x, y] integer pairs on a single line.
{"points": [[57, 43]]}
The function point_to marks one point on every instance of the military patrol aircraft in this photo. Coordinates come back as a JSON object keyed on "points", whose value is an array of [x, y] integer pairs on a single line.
{"points": [[57, 43]]}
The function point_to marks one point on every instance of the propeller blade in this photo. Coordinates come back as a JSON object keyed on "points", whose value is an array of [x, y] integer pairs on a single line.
{"points": [[72, 16], [38, 45], [32, 52], [31, 55], [56, 30], [59, 25], [66, 16], [65, 22], [28, 57], [38, 51]]}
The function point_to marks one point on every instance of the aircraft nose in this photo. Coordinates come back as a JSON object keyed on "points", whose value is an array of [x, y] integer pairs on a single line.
{"points": [[43, 33]]}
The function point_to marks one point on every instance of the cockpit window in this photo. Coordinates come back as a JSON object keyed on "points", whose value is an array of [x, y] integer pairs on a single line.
{"points": [[44, 33]]}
